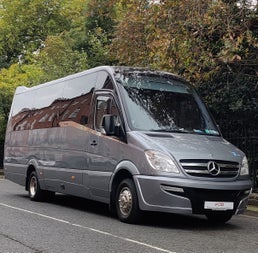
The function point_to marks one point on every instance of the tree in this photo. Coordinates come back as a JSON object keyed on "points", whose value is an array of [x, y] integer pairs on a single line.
{"points": [[129, 45], [191, 38], [57, 59], [15, 75], [208, 42], [99, 30], [25, 25]]}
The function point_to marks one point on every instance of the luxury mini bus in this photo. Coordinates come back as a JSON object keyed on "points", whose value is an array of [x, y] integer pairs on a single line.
{"points": [[135, 139]]}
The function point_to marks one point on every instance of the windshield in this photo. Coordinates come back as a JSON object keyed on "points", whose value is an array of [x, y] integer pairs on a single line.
{"points": [[164, 103]]}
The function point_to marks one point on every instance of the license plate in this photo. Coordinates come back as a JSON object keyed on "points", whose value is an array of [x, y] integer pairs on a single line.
{"points": [[217, 205]]}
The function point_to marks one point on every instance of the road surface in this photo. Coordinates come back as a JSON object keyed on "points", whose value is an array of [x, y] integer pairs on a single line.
{"points": [[69, 224]]}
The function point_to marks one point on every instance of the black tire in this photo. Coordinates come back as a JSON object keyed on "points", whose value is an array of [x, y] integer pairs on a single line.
{"points": [[127, 206], [35, 193], [219, 217]]}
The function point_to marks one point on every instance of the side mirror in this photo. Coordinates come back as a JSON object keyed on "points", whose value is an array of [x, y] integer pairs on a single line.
{"points": [[108, 124], [111, 126]]}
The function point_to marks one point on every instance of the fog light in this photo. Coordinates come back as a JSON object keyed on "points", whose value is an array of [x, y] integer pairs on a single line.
{"points": [[171, 188]]}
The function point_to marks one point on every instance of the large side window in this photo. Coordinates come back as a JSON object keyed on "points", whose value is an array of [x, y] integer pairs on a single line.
{"points": [[22, 110], [75, 104], [38, 108], [46, 107]]}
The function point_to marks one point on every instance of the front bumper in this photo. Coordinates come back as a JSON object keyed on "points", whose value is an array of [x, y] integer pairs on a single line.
{"points": [[186, 196]]}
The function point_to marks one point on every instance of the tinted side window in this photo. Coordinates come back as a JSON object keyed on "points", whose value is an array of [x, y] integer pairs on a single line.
{"points": [[37, 109], [22, 110], [46, 106], [75, 104]]}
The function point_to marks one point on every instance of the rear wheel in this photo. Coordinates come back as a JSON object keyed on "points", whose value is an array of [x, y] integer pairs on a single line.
{"points": [[35, 193], [219, 216], [127, 206]]}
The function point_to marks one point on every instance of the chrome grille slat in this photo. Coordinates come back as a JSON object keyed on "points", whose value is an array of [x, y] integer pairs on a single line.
{"points": [[229, 166], [195, 164], [197, 171], [199, 168], [229, 172]]}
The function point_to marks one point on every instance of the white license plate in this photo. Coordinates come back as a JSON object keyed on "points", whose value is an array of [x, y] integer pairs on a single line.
{"points": [[217, 205]]}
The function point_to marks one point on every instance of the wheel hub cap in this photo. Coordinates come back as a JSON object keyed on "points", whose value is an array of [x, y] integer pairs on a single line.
{"points": [[125, 201], [33, 186]]}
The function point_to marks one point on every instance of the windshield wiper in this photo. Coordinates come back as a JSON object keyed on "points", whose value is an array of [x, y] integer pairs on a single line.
{"points": [[182, 130], [172, 130]]}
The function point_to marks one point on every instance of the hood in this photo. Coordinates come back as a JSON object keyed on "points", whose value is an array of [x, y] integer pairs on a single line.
{"points": [[191, 146]]}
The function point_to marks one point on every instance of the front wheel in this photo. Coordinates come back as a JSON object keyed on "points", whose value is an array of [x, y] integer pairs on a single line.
{"points": [[219, 216], [127, 206]]}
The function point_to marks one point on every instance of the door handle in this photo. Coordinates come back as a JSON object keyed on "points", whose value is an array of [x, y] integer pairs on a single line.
{"points": [[94, 143]]}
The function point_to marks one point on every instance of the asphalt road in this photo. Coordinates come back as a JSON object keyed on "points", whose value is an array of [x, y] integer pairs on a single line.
{"points": [[70, 224]]}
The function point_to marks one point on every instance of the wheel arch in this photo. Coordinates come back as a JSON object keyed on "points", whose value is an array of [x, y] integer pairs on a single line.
{"points": [[32, 166], [30, 169], [125, 169]]}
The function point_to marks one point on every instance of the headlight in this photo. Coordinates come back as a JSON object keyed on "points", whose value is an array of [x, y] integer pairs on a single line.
{"points": [[161, 162], [244, 167]]}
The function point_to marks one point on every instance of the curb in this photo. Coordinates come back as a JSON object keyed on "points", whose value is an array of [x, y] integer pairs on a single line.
{"points": [[253, 199], [253, 202], [1, 173], [250, 213]]}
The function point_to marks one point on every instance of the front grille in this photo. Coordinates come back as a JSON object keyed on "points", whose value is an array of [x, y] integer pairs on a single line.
{"points": [[199, 168]]}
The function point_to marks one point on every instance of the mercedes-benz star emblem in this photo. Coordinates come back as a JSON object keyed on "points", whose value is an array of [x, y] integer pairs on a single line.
{"points": [[213, 168]]}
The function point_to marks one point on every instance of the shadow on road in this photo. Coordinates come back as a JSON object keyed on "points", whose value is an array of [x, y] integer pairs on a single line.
{"points": [[187, 222], [152, 219]]}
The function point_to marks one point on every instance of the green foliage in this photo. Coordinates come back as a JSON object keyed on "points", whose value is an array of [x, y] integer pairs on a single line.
{"points": [[25, 24], [208, 42], [99, 30], [228, 92], [101, 14], [57, 59], [15, 75], [129, 45]]}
